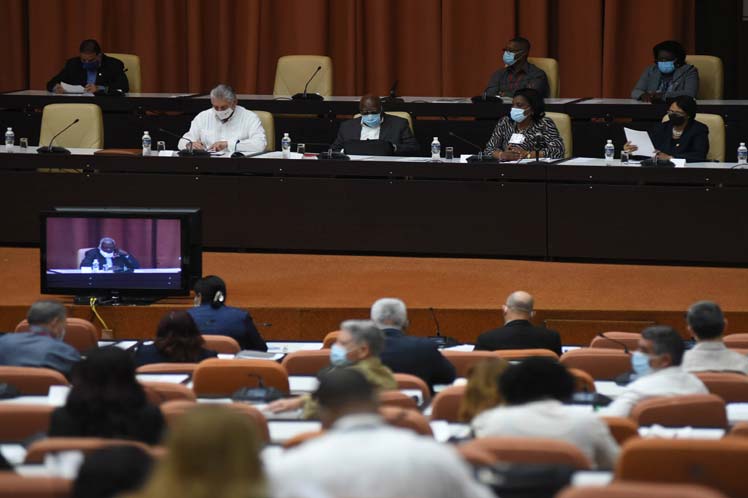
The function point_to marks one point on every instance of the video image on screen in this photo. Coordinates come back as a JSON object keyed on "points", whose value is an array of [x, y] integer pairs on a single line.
{"points": [[113, 253]]}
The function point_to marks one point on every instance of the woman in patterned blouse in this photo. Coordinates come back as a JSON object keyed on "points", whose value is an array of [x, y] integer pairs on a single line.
{"points": [[515, 135]]}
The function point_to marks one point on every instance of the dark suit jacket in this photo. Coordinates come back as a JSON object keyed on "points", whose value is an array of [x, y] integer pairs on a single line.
{"points": [[394, 129], [147, 354], [519, 334], [119, 261], [692, 146], [233, 322], [111, 74], [416, 356], [145, 425]]}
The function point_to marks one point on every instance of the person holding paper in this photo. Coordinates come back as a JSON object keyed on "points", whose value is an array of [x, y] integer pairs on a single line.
{"points": [[91, 71], [681, 136], [668, 77], [226, 126], [526, 129]]}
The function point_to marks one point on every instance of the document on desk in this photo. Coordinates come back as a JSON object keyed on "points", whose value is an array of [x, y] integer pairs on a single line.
{"points": [[641, 140], [72, 88]]}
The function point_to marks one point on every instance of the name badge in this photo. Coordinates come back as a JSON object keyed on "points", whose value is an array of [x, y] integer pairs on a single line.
{"points": [[517, 139]]}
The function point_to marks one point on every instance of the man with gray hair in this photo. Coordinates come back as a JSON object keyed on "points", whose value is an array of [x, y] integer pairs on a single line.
{"points": [[405, 354], [225, 127], [42, 345], [706, 324], [518, 332]]}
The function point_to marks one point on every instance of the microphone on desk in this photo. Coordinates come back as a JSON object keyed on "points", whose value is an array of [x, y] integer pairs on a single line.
{"points": [[485, 97], [309, 96], [537, 146], [328, 154], [614, 341], [189, 152], [440, 340], [480, 157], [392, 98], [50, 149], [236, 151]]}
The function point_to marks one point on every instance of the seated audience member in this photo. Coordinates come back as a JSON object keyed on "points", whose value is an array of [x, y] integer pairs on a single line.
{"points": [[212, 316], [515, 136], [93, 70], [42, 345], [517, 72], [533, 391], [108, 472], [359, 456], [177, 340], [411, 355], [668, 77], [657, 364], [681, 136], [107, 401], [110, 257], [212, 452], [706, 323], [518, 332], [226, 126], [358, 347], [482, 389], [376, 125]]}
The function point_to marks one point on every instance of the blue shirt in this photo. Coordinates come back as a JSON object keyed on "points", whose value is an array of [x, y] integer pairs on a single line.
{"points": [[230, 321], [91, 76], [37, 349]]}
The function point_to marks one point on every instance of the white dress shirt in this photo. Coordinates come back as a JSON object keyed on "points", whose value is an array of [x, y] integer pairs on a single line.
{"points": [[551, 419], [714, 356], [243, 125], [360, 457], [670, 381]]}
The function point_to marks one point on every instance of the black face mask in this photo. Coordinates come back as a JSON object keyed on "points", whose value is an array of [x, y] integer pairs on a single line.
{"points": [[676, 119]]}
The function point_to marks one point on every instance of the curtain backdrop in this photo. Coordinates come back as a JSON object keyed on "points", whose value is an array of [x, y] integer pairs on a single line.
{"points": [[433, 47]]}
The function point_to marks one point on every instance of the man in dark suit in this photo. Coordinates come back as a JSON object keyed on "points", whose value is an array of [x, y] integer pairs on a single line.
{"points": [[518, 332], [411, 355], [92, 70], [376, 125], [110, 257]]}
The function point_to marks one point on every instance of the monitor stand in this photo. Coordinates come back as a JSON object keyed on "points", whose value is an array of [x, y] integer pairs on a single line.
{"points": [[116, 299]]}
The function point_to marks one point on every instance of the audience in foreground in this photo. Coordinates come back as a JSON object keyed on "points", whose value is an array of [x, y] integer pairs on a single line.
{"points": [[42, 345], [177, 340], [361, 456], [111, 471], [482, 390], [533, 391], [706, 323], [212, 452], [106, 400], [657, 364]]}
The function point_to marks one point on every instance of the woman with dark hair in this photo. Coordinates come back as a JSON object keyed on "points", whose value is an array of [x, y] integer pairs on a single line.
{"points": [[177, 340], [526, 128], [533, 391], [112, 471], [213, 316], [681, 136], [668, 77], [107, 401]]}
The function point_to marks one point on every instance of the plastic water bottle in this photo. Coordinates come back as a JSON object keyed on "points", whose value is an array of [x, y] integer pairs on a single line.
{"points": [[436, 149], [10, 140], [95, 266], [146, 144], [610, 151], [286, 146], [742, 154]]}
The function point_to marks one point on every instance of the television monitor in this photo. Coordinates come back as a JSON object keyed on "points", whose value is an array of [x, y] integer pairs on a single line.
{"points": [[120, 253]]}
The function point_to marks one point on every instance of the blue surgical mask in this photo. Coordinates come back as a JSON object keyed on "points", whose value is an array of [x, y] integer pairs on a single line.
{"points": [[509, 58], [371, 120], [517, 114], [90, 65], [339, 356], [640, 363], [666, 67]]}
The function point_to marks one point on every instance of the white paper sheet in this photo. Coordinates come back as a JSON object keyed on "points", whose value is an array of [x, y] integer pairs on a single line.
{"points": [[641, 140], [72, 88]]}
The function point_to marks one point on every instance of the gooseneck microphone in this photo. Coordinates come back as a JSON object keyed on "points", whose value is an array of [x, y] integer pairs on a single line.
{"points": [[485, 97], [191, 151], [480, 157], [309, 96], [440, 340], [392, 98], [236, 151], [50, 149], [614, 341]]}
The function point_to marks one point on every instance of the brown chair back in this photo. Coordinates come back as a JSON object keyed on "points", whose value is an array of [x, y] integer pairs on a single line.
{"points": [[216, 377], [221, 344], [640, 490], [14, 485], [79, 333], [167, 368], [161, 392], [306, 362], [407, 381], [621, 428], [174, 409], [407, 419], [330, 339], [40, 448], [397, 399], [463, 360], [718, 464], [446, 404], [630, 339], [733, 341], [731, 387], [524, 450], [583, 382], [694, 410], [740, 430], [18, 422], [600, 363], [521, 354], [32, 381]]}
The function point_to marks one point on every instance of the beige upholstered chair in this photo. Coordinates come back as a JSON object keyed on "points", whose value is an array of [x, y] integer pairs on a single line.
{"points": [[711, 76], [550, 66], [716, 126], [268, 124], [132, 68], [293, 71], [563, 123], [88, 133]]}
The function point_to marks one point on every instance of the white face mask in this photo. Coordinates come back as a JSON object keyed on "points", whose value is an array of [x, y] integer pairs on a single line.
{"points": [[106, 254], [224, 114]]}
